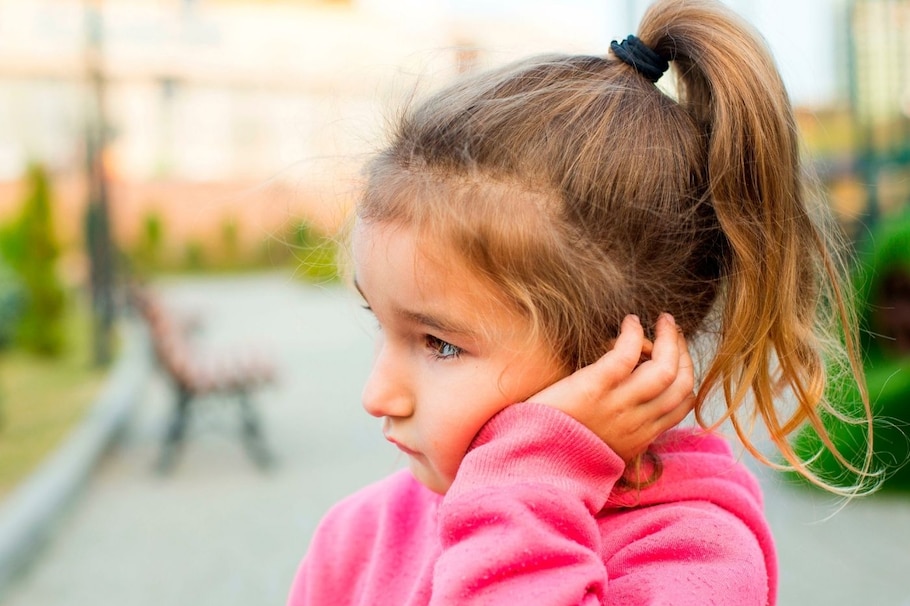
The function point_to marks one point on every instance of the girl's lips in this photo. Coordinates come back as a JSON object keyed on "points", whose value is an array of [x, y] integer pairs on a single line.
{"points": [[401, 447]]}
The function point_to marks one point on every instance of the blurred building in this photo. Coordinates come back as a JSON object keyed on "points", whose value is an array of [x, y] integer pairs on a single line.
{"points": [[249, 110], [252, 112], [199, 91], [880, 100]]}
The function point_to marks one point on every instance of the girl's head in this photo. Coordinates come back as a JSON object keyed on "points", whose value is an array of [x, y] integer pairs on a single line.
{"points": [[580, 192]]}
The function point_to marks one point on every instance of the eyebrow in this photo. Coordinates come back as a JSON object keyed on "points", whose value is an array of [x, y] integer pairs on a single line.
{"points": [[436, 323], [429, 320]]}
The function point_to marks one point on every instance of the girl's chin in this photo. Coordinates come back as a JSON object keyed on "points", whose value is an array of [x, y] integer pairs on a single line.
{"points": [[429, 478]]}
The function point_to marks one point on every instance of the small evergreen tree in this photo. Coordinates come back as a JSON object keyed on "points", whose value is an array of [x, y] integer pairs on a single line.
{"points": [[32, 250]]}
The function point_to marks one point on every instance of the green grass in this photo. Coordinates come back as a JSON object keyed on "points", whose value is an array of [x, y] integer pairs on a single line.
{"points": [[42, 399]]}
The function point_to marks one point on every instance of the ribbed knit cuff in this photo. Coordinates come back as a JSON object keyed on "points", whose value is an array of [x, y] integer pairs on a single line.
{"points": [[530, 444]]}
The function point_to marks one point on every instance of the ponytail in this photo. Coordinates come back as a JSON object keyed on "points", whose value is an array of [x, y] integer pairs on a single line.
{"points": [[784, 288]]}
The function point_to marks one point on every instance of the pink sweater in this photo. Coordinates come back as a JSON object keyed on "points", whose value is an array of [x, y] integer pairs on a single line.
{"points": [[532, 519]]}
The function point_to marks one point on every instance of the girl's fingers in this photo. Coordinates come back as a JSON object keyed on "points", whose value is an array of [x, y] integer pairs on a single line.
{"points": [[587, 387], [646, 348], [680, 412], [665, 351], [656, 375], [625, 401], [627, 350], [671, 406], [663, 386], [681, 389]]}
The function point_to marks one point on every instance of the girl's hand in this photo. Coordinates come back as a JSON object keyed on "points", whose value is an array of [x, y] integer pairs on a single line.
{"points": [[626, 402]]}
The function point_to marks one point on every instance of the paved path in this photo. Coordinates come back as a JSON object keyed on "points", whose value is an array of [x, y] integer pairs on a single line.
{"points": [[218, 531]]}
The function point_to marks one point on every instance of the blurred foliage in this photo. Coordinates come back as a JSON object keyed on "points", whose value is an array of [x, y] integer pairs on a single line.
{"points": [[862, 187], [309, 252], [194, 256], [146, 255], [886, 360], [827, 132], [315, 253], [12, 304], [29, 245], [230, 240]]}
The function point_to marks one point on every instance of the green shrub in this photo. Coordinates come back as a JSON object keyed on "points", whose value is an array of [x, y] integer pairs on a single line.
{"points": [[32, 250], [147, 252], [12, 302], [881, 306], [889, 387]]}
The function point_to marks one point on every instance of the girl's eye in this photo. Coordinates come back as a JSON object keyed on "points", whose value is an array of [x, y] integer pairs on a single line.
{"points": [[441, 349]]}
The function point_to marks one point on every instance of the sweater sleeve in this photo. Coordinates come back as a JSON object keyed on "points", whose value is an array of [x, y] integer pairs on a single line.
{"points": [[518, 524], [525, 522]]}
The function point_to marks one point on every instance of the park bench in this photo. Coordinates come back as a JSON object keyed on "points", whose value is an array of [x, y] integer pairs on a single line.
{"points": [[233, 374]]}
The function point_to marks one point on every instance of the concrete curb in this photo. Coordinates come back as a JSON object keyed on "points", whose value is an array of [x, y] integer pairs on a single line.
{"points": [[30, 514]]}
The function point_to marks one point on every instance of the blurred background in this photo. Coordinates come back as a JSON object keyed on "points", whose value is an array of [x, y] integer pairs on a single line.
{"points": [[189, 162]]}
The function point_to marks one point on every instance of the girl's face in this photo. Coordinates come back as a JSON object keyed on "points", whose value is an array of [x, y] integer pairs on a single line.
{"points": [[449, 353]]}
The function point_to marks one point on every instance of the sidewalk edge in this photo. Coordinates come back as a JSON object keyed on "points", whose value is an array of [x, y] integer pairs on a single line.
{"points": [[29, 515]]}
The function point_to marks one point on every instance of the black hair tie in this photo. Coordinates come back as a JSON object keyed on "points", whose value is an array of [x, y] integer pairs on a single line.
{"points": [[640, 56]]}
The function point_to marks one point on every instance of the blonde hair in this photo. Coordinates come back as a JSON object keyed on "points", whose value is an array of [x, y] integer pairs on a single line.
{"points": [[585, 193]]}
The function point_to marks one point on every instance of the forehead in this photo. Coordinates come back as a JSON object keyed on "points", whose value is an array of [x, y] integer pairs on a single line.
{"points": [[404, 258], [396, 269]]}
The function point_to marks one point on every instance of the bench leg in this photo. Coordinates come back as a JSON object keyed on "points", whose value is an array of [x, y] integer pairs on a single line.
{"points": [[253, 438], [176, 431]]}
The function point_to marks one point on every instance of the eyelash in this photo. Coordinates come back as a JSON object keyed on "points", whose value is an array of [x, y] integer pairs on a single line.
{"points": [[438, 348], [434, 344]]}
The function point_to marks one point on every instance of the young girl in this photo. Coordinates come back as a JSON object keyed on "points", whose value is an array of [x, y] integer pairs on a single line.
{"points": [[519, 225]]}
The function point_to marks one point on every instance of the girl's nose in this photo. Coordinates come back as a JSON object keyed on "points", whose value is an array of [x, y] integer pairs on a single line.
{"points": [[387, 392]]}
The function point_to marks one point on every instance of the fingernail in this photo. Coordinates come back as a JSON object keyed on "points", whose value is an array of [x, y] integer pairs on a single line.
{"points": [[635, 318]]}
